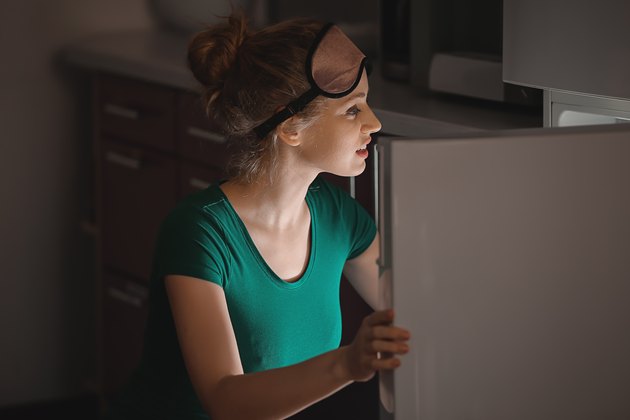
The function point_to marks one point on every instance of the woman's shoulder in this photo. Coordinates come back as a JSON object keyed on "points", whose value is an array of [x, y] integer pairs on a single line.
{"points": [[200, 208], [201, 199], [193, 238]]}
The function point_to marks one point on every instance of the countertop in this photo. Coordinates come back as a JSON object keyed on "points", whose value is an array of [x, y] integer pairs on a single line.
{"points": [[159, 56]]}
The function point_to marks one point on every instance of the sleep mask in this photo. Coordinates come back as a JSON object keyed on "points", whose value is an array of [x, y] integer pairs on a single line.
{"points": [[334, 66]]}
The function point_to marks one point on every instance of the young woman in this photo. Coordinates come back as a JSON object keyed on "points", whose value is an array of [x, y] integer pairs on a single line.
{"points": [[245, 320]]}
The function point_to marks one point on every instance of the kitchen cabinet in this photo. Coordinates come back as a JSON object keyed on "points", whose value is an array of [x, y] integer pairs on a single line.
{"points": [[140, 186], [197, 139], [136, 186], [138, 113], [125, 309], [154, 146]]}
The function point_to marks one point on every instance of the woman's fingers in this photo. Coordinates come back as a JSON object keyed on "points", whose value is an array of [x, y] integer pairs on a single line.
{"points": [[380, 346], [389, 333], [380, 323], [380, 318], [391, 363], [377, 344]]}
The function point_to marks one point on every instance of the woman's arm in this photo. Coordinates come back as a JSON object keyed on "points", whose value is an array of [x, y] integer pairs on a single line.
{"points": [[362, 273], [211, 355]]}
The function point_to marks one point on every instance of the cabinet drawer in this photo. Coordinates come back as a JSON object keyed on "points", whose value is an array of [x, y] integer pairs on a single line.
{"points": [[125, 311], [194, 178], [139, 189], [197, 138], [136, 112]]}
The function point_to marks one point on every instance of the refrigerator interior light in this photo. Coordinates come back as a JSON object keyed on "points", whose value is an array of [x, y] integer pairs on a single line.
{"points": [[571, 118]]}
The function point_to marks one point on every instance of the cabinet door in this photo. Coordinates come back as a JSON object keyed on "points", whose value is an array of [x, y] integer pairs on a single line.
{"points": [[195, 177], [125, 312], [137, 112], [198, 139], [139, 189]]}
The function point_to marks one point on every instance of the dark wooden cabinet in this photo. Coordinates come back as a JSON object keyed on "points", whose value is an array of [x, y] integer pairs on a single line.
{"points": [[154, 146], [197, 139], [139, 189], [136, 112], [125, 309], [196, 177]]}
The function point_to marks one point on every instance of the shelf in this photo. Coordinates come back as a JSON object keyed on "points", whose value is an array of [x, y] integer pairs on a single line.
{"points": [[160, 57]]}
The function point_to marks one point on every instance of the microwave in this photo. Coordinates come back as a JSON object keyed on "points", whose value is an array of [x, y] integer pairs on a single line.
{"points": [[448, 46]]}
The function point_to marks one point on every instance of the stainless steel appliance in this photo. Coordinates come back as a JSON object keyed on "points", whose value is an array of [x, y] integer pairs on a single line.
{"points": [[576, 51], [507, 255], [449, 46]]}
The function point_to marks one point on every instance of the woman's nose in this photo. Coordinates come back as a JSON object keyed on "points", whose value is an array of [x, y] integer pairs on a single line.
{"points": [[371, 123]]}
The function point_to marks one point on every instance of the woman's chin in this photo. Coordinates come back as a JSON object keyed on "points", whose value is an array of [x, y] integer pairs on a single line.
{"points": [[356, 171]]}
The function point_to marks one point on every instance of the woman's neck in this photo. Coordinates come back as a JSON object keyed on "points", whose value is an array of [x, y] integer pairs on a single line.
{"points": [[274, 205]]}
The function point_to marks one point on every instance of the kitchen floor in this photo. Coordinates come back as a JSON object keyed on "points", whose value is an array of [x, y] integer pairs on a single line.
{"points": [[350, 402], [79, 408]]}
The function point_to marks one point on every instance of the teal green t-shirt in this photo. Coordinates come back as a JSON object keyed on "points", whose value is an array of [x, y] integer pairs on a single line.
{"points": [[276, 323]]}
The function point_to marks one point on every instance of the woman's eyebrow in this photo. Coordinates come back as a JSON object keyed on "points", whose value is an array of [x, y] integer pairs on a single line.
{"points": [[354, 96]]}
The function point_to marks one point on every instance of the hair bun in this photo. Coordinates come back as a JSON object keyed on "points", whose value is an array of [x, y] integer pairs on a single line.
{"points": [[212, 52]]}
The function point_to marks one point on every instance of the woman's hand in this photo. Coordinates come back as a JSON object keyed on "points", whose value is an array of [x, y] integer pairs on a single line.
{"points": [[375, 346]]}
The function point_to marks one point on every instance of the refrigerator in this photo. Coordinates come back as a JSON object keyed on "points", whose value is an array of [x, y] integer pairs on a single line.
{"points": [[507, 253], [577, 51]]}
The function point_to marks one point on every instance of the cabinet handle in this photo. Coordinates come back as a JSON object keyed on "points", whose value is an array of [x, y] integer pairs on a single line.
{"points": [[353, 187], [375, 167], [206, 135], [198, 183], [121, 111], [122, 160], [124, 297], [380, 215]]}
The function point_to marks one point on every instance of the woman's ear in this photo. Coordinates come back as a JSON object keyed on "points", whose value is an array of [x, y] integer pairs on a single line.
{"points": [[288, 133]]}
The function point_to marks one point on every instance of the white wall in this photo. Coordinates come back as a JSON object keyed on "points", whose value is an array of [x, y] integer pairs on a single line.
{"points": [[46, 284]]}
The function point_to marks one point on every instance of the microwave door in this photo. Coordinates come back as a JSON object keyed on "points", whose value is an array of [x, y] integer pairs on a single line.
{"points": [[507, 255]]}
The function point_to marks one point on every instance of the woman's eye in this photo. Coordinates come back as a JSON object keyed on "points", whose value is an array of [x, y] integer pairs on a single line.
{"points": [[354, 110]]}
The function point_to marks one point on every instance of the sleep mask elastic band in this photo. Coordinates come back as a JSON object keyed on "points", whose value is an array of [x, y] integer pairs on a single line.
{"points": [[334, 66]]}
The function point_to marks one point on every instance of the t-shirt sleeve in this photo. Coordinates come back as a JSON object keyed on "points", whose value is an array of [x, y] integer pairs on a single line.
{"points": [[362, 229], [356, 221], [188, 244]]}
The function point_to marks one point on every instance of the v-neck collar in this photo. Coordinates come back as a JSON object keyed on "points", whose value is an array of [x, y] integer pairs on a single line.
{"points": [[258, 256]]}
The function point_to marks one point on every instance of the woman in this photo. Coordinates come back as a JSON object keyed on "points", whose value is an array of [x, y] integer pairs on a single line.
{"points": [[245, 320]]}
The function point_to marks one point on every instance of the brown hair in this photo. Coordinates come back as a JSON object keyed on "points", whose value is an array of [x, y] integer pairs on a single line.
{"points": [[247, 77]]}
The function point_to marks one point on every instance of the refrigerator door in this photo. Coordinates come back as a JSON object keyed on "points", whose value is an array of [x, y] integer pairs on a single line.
{"points": [[509, 260], [570, 45]]}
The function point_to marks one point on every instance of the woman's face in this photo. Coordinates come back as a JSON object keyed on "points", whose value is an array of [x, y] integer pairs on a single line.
{"points": [[337, 141]]}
